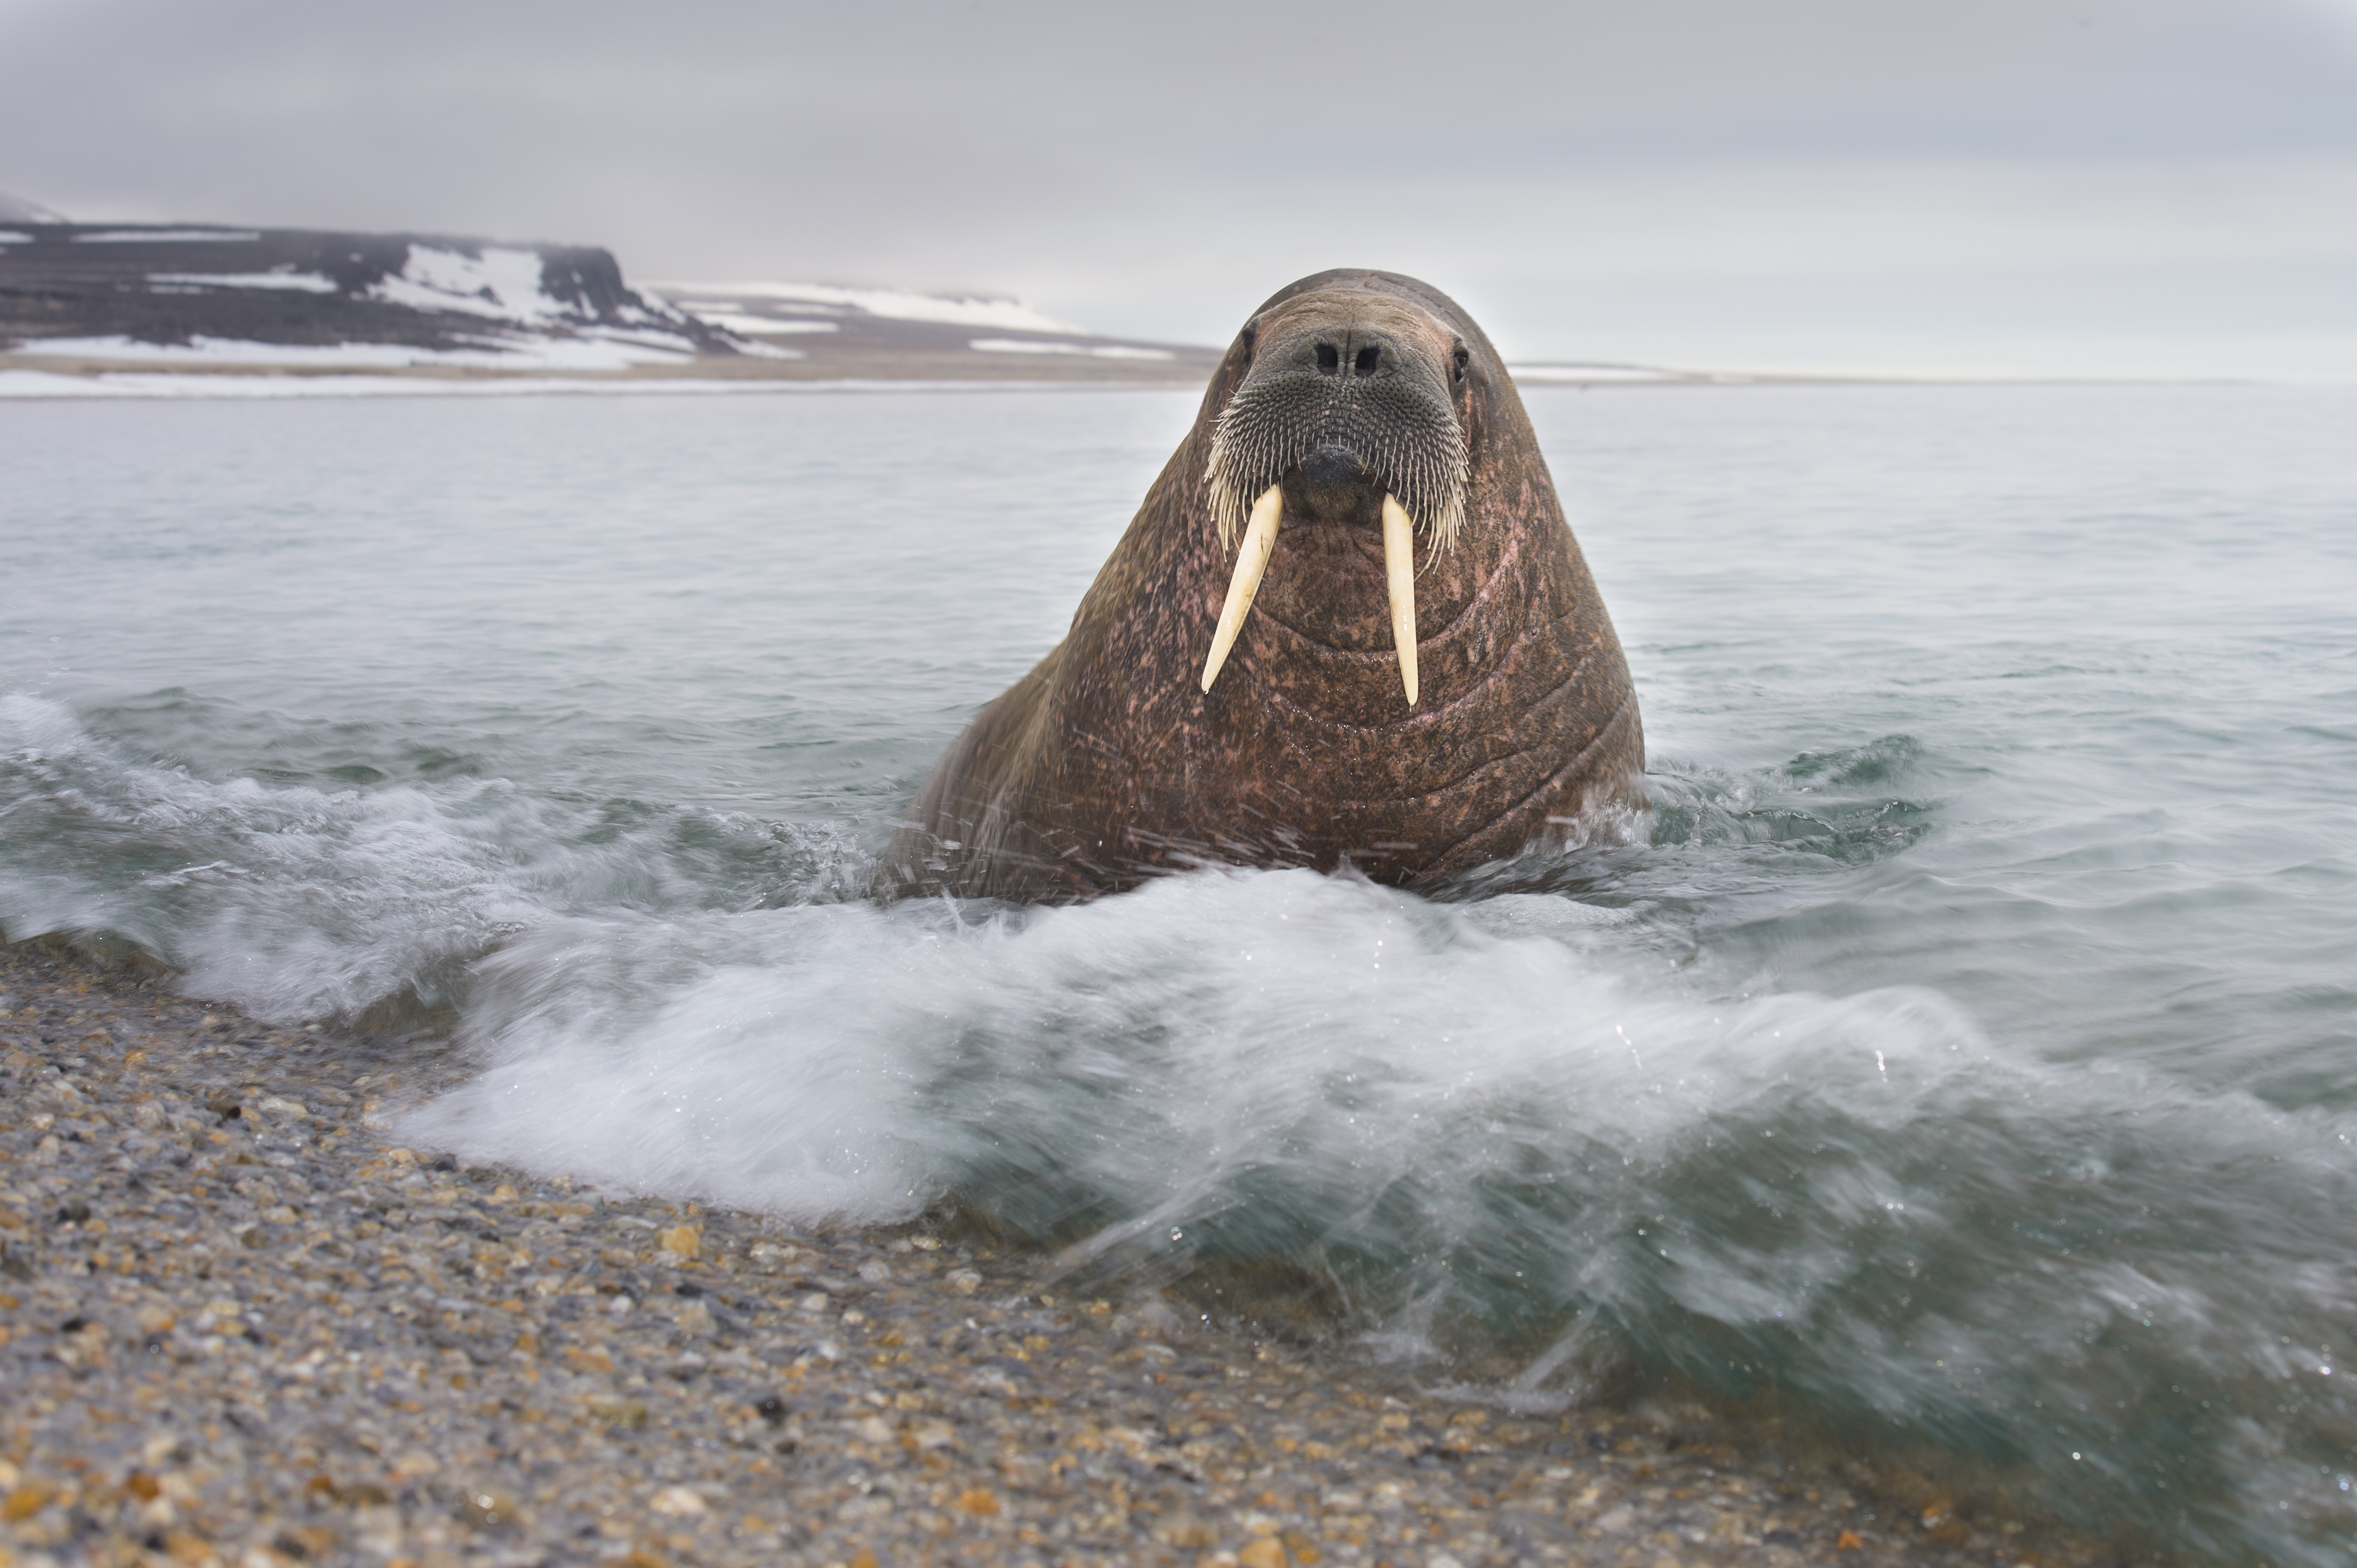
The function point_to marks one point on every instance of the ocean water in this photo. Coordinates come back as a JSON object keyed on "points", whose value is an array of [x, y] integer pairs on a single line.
{"points": [[1967, 1064]]}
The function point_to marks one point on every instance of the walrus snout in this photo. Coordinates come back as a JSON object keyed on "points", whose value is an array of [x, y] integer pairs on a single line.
{"points": [[1342, 402], [1347, 415]]}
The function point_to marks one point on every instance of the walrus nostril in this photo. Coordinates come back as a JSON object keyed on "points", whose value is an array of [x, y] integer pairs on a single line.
{"points": [[1369, 357], [1328, 361]]}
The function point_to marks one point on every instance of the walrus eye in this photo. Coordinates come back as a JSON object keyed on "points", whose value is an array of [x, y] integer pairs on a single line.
{"points": [[1328, 361], [1460, 359]]}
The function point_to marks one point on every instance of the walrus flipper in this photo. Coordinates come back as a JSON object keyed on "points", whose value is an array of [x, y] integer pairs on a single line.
{"points": [[970, 831]]}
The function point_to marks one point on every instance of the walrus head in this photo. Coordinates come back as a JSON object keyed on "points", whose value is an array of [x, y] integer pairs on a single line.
{"points": [[1360, 493], [1346, 416]]}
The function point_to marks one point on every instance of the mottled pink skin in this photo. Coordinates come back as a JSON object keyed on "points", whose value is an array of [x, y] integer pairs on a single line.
{"points": [[1107, 763]]}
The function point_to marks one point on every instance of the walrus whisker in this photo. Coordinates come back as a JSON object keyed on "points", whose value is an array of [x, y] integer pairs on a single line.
{"points": [[1413, 443], [1252, 564], [1399, 579]]}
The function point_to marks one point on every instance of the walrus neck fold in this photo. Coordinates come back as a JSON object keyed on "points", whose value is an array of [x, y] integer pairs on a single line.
{"points": [[1251, 565]]}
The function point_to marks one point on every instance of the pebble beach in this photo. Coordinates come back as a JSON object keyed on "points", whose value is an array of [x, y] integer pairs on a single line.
{"points": [[240, 1322]]}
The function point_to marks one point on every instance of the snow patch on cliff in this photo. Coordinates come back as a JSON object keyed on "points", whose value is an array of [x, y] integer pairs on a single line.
{"points": [[607, 349], [898, 305], [501, 284], [307, 282]]}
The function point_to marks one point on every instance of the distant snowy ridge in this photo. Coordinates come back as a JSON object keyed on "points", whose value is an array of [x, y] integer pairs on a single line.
{"points": [[167, 236], [585, 352], [202, 297], [502, 282], [1583, 373], [317, 305], [761, 326], [1098, 350], [895, 305], [889, 331]]}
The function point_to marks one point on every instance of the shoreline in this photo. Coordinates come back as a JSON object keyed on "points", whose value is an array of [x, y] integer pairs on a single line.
{"points": [[130, 385], [710, 372], [26, 376], [241, 1324]]}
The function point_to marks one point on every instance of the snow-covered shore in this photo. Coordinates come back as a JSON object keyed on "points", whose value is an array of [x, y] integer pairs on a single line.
{"points": [[121, 310]]}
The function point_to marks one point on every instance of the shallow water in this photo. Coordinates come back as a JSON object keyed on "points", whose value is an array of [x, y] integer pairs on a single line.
{"points": [[1966, 1061]]}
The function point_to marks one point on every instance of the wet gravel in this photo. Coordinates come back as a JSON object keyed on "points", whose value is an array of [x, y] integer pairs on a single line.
{"points": [[240, 1324]]}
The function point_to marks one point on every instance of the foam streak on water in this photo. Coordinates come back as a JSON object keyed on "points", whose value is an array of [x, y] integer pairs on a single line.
{"points": [[1488, 1127], [1965, 1065]]}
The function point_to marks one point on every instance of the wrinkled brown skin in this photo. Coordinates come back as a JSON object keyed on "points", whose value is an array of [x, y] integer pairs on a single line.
{"points": [[1107, 763]]}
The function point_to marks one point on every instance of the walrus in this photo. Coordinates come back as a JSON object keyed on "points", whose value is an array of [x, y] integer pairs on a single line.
{"points": [[1348, 625]]}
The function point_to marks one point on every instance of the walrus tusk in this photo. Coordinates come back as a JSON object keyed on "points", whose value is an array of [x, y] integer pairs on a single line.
{"points": [[1252, 563], [1399, 574]]}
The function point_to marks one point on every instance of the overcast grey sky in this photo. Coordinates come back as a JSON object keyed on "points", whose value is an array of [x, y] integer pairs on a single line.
{"points": [[2087, 187]]}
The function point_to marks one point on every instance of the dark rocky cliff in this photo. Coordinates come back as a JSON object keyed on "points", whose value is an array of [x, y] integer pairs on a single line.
{"points": [[173, 284]]}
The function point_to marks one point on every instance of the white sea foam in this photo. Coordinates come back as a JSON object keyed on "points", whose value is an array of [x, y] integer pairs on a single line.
{"points": [[385, 889], [11, 237], [1500, 1118], [843, 1060]]}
